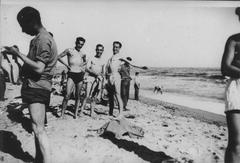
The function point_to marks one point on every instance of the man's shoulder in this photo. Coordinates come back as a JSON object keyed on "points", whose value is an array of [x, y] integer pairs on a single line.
{"points": [[235, 37]]}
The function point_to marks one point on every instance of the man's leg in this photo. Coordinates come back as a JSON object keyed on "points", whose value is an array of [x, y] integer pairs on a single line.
{"points": [[123, 93], [69, 88], [110, 98], [232, 154], [77, 98], [118, 95], [37, 112], [127, 89]]}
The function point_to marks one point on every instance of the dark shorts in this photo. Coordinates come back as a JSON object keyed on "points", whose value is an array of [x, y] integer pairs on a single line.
{"points": [[35, 95], [76, 76]]}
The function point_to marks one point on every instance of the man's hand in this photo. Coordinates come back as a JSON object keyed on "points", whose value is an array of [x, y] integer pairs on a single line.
{"points": [[11, 50]]}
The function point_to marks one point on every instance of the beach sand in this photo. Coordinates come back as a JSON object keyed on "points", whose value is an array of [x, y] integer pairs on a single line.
{"points": [[171, 131]]}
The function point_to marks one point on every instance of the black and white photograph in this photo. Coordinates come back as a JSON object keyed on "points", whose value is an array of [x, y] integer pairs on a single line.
{"points": [[111, 81]]}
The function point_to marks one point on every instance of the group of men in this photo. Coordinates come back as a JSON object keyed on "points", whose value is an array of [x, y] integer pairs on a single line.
{"points": [[114, 75], [38, 69]]}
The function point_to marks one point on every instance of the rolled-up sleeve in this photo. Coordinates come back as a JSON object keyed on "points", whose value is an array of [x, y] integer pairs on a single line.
{"points": [[43, 50]]}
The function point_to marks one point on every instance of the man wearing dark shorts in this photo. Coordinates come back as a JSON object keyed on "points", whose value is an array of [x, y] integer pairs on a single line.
{"points": [[76, 65], [37, 75]]}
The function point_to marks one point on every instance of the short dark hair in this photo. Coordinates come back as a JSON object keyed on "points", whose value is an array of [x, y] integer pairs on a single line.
{"points": [[28, 15], [80, 39], [118, 42], [99, 45], [237, 11]]}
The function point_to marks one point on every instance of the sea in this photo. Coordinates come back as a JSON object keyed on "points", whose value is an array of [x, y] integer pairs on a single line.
{"points": [[195, 82]]}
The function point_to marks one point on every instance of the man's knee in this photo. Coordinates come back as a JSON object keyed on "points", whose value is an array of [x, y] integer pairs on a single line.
{"points": [[38, 129]]}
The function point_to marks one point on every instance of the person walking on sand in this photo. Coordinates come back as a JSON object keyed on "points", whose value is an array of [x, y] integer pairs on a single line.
{"points": [[230, 67], [114, 79], [38, 72], [136, 86]]}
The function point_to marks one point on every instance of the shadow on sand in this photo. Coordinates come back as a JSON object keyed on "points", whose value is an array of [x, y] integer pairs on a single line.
{"points": [[140, 150], [15, 114], [11, 145]]}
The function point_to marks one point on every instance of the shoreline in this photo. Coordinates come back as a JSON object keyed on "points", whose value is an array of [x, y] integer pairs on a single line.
{"points": [[178, 109]]}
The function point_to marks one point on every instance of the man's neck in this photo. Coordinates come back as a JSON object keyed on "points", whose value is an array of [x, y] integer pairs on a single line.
{"points": [[96, 56], [77, 49], [40, 29]]}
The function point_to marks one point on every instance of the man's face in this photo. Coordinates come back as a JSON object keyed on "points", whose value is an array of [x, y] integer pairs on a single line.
{"points": [[99, 51], [79, 45], [116, 48], [28, 28]]}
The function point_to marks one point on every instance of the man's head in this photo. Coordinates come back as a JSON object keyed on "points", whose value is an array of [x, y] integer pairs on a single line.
{"points": [[116, 47], [99, 50], [237, 12], [29, 19], [80, 41]]}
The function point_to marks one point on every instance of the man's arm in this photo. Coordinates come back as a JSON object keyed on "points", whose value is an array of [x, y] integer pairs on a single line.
{"points": [[63, 54], [226, 66], [37, 66]]}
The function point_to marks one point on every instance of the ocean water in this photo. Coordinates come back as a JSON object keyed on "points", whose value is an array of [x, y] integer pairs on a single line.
{"points": [[197, 82]]}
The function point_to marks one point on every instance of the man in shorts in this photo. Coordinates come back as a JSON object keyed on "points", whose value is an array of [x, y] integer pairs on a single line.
{"points": [[77, 67], [231, 67], [38, 72]]}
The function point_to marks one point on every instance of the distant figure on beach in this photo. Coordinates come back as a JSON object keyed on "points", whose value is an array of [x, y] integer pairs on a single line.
{"points": [[37, 71], [136, 86], [114, 79], [158, 89], [230, 67], [76, 66]]}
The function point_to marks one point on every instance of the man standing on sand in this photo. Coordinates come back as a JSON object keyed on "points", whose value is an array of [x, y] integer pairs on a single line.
{"points": [[38, 72], [97, 65], [114, 79], [231, 67], [136, 86], [76, 65], [125, 81], [77, 68]]}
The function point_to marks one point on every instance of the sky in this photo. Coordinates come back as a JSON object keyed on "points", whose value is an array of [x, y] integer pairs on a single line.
{"points": [[153, 33]]}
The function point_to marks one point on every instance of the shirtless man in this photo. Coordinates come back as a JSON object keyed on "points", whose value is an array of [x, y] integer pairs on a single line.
{"points": [[76, 65], [231, 67], [97, 65], [114, 78]]}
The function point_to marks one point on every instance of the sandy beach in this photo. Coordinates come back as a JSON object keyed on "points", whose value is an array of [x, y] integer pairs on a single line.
{"points": [[172, 132]]}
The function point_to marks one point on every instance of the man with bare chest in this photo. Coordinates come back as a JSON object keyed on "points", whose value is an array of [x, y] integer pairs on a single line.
{"points": [[76, 65]]}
